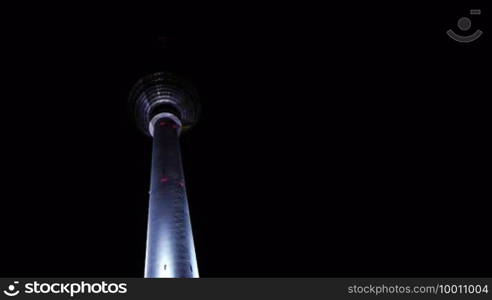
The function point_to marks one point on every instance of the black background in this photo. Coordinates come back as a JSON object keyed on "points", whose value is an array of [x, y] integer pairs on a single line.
{"points": [[335, 140]]}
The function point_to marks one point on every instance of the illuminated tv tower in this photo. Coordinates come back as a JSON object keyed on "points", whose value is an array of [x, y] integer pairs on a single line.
{"points": [[163, 105]]}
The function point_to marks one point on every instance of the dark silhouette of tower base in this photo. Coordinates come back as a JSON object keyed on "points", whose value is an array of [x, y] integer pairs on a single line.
{"points": [[164, 104]]}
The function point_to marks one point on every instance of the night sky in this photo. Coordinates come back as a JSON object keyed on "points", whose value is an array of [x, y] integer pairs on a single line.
{"points": [[334, 141]]}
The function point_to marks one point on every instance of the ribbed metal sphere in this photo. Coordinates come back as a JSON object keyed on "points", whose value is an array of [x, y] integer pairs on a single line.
{"points": [[163, 92]]}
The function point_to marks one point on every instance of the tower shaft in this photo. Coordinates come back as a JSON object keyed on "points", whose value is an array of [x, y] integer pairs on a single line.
{"points": [[170, 246]]}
